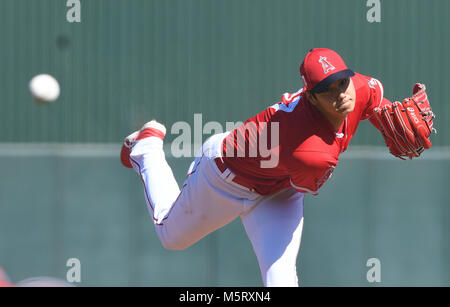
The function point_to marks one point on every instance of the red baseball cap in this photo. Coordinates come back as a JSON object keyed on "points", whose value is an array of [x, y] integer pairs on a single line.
{"points": [[320, 68]]}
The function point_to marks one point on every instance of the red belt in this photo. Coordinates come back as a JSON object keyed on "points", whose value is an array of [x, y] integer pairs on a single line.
{"points": [[237, 179]]}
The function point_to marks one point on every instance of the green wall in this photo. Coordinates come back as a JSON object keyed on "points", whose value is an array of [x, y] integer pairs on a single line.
{"points": [[132, 60], [55, 207]]}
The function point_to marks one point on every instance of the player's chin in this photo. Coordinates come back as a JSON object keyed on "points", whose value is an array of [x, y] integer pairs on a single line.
{"points": [[346, 109]]}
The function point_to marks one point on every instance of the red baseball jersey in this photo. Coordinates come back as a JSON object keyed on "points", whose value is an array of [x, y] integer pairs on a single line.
{"points": [[292, 144]]}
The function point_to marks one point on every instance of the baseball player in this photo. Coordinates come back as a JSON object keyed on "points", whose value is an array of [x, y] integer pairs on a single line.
{"points": [[262, 170]]}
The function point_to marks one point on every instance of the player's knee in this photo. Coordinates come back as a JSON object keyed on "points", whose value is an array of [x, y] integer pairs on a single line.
{"points": [[172, 243], [173, 247]]}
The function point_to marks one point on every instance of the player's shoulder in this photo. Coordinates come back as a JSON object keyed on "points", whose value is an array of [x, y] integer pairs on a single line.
{"points": [[362, 81], [289, 103], [294, 116], [286, 111], [367, 88]]}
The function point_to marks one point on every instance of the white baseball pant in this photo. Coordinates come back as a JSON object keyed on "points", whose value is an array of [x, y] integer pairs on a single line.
{"points": [[209, 200]]}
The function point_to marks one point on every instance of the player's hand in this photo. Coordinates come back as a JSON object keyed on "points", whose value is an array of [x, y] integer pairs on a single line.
{"points": [[407, 125]]}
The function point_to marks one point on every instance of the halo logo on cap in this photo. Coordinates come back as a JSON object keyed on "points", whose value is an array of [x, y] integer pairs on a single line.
{"points": [[326, 65]]}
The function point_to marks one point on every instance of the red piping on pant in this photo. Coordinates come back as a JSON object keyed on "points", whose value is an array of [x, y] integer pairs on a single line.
{"points": [[148, 198]]}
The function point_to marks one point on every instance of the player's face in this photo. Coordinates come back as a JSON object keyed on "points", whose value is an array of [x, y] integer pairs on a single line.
{"points": [[339, 99]]}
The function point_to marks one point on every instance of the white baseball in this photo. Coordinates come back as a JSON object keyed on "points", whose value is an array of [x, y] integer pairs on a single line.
{"points": [[44, 88]]}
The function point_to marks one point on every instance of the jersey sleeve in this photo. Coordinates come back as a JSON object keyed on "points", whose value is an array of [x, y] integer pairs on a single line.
{"points": [[376, 98], [311, 170], [302, 186]]}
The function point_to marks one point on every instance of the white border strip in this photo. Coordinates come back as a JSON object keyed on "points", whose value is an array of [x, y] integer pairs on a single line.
{"points": [[107, 150]]}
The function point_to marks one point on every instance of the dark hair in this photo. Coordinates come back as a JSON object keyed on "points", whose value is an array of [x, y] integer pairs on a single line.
{"points": [[312, 94]]}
